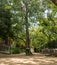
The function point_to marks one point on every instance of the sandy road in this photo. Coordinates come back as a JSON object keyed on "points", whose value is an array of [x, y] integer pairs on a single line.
{"points": [[21, 59]]}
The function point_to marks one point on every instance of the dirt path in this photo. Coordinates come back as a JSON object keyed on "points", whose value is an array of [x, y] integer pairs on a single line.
{"points": [[36, 59]]}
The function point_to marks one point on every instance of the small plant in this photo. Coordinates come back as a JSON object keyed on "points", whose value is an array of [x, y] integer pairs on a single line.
{"points": [[16, 50]]}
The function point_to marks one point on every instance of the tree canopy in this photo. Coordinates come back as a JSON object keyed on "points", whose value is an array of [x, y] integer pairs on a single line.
{"points": [[31, 23]]}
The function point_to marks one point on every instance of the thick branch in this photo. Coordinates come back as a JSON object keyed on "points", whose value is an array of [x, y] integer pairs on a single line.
{"points": [[55, 2]]}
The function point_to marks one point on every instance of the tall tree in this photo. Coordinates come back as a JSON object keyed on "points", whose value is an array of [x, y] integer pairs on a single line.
{"points": [[25, 5], [26, 12]]}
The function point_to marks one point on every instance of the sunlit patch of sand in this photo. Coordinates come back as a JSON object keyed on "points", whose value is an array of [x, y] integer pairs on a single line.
{"points": [[29, 60]]}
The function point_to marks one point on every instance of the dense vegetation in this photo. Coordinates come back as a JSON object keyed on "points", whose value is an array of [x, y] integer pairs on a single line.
{"points": [[26, 24]]}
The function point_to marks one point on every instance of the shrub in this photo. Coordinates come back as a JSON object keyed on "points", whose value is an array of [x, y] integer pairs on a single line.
{"points": [[16, 50]]}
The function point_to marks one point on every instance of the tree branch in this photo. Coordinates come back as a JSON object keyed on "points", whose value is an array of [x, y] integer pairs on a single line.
{"points": [[55, 2]]}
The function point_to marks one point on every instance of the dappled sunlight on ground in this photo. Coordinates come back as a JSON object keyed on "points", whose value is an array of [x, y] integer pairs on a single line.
{"points": [[36, 59]]}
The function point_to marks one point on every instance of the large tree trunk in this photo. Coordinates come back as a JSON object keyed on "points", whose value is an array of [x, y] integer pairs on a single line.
{"points": [[28, 52]]}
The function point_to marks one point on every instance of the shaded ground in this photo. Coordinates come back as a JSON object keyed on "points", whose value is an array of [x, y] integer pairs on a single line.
{"points": [[21, 59]]}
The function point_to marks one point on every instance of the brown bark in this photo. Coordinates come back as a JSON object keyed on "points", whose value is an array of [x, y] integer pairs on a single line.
{"points": [[28, 52], [27, 28]]}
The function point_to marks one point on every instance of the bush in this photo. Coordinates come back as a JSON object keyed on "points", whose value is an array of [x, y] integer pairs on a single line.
{"points": [[52, 44], [16, 50]]}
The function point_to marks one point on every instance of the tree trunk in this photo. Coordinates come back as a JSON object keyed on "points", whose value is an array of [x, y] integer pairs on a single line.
{"points": [[28, 52]]}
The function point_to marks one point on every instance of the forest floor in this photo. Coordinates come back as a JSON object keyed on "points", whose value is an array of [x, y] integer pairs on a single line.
{"points": [[22, 59]]}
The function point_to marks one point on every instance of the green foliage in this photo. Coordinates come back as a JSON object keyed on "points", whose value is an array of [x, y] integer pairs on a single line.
{"points": [[15, 50], [13, 22], [52, 44], [5, 23]]}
